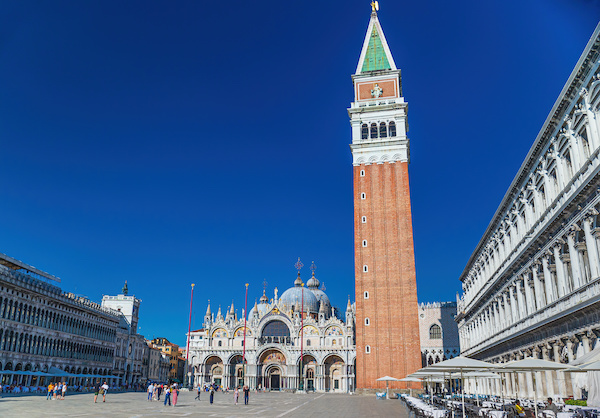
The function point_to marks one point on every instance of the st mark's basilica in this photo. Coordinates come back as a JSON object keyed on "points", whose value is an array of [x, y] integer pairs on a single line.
{"points": [[273, 346]]}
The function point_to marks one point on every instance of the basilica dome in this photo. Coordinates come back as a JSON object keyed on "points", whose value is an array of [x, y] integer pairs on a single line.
{"points": [[313, 284], [293, 298]]}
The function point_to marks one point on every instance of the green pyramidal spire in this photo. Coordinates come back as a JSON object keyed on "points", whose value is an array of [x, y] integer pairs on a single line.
{"points": [[375, 58], [375, 54]]}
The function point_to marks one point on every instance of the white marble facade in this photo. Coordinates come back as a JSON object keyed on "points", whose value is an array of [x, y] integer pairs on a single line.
{"points": [[274, 344], [438, 332], [532, 286]]}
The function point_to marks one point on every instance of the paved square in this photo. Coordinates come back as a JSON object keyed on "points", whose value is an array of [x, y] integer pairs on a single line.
{"points": [[261, 405]]}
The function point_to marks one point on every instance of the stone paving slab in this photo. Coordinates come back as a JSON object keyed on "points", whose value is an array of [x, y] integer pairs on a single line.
{"points": [[132, 404]]}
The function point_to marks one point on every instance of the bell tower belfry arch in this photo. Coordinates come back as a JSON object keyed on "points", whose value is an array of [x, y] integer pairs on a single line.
{"points": [[387, 328]]}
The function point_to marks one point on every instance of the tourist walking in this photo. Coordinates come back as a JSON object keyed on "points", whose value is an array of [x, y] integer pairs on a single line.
{"points": [[236, 394], [159, 391], [150, 391], [212, 394], [246, 394], [50, 391], [96, 390], [174, 394], [199, 389], [104, 391], [64, 390], [167, 395], [55, 393]]}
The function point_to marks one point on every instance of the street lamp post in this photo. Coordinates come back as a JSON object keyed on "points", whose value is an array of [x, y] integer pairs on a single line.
{"points": [[302, 342]]}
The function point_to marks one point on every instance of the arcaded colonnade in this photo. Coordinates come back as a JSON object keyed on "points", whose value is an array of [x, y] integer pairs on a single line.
{"points": [[532, 286]]}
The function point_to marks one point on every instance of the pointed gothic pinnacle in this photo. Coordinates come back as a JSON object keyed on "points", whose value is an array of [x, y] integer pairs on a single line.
{"points": [[321, 307], [208, 309], [232, 311], [349, 307]]}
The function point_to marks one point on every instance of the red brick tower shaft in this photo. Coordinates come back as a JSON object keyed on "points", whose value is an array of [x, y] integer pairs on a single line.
{"points": [[387, 328]]}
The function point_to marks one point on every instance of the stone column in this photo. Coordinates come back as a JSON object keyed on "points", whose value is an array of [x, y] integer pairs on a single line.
{"points": [[529, 293], [513, 304], [550, 297], [549, 386], [539, 288], [522, 380], [592, 249], [548, 186], [508, 320], [585, 341], [539, 205], [497, 314], [574, 257], [540, 378], [521, 298], [502, 308], [591, 122], [571, 344], [560, 169], [560, 376], [560, 269]]}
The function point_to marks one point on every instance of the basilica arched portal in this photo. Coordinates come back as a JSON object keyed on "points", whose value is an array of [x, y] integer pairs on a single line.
{"points": [[213, 370], [334, 373], [272, 370], [309, 372]]}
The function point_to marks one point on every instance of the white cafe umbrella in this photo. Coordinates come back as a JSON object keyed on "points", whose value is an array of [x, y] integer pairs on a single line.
{"points": [[387, 379], [462, 364], [530, 365], [410, 379]]}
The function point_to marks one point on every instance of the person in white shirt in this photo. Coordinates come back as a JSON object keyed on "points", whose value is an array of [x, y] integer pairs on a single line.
{"points": [[105, 387], [64, 390], [150, 391]]}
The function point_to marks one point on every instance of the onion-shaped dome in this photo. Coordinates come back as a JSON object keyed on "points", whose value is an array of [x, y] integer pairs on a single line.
{"points": [[293, 298], [313, 284], [322, 298]]}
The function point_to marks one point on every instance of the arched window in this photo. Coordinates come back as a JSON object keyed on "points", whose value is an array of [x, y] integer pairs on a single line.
{"points": [[382, 130], [308, 343], [373, 130], [364, 131], [392, 128], [276, 329], [435, 332]]}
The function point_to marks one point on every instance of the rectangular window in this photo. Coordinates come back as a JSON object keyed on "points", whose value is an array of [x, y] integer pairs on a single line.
{"points": [[365, 268], [362, 173], [363, 196], [364, 219]]}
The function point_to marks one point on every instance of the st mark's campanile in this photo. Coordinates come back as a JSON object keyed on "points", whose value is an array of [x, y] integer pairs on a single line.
{"points": [[387, 328]]}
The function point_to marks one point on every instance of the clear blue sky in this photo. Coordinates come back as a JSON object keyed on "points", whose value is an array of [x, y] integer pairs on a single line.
{"points": [[166, 143]]}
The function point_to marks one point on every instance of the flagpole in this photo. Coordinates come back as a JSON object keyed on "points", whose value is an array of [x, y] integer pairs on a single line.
{"points": [[187, 350], [302, 342], [244, 349]]}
